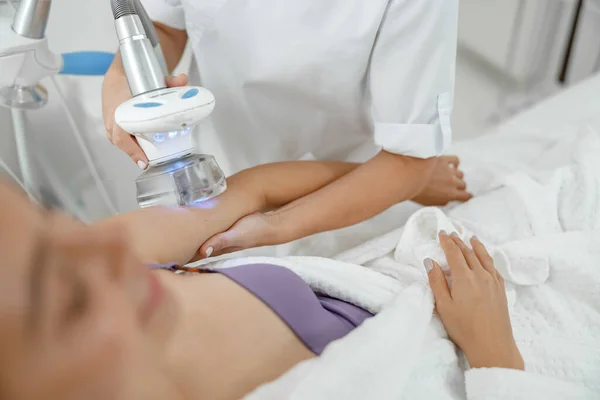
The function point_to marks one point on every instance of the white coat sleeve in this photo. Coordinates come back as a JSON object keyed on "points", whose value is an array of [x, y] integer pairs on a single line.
{"points": [[411, 77], [501, 384], [167, 12]]}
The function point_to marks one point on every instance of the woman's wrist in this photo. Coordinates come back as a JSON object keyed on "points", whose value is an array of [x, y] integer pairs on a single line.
{"points": [[500, 357]]}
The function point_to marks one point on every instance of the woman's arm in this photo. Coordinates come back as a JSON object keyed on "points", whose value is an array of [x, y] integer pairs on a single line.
{"points": [[164, 235]]}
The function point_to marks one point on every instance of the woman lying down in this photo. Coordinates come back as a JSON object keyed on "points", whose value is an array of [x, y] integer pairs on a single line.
{"points": [[83, 316]]}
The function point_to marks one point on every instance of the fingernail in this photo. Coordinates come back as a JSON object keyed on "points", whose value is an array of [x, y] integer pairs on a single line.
{"points": [[475, 238], [454, 234], [209, 251], [428, 263], [443, 232], [142, 164]]}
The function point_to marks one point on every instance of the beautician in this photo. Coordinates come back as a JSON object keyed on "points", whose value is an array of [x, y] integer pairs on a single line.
{"points": [[368, 82]]}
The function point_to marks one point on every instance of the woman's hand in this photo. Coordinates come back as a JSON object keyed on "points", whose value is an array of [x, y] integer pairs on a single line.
{"points": [[253, 230], [115, 91], [445, 185], [475, 311]]}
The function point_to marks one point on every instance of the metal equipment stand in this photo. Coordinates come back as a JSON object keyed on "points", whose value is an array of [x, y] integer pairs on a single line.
{"points": [[28, 178]]}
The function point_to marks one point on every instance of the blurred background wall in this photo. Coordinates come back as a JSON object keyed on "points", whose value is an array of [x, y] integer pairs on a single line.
{"points": [[512, 54]]}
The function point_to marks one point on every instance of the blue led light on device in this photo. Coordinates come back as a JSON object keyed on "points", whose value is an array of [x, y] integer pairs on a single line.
{"points": [[159, 137], [173, 134]]}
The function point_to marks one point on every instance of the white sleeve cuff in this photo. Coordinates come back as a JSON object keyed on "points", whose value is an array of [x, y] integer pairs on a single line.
{"points": [[167, 12], [418, 140], [500, 383]]}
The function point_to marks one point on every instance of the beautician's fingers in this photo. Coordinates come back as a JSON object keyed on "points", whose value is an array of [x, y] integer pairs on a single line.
{"points": [[174, 81], [468, 254], [253, 230], [221, 243], [238, 237], [212, 253], [127, 143], [454, 256], [462, 195], [460, 174], [452, 161], [460, 184], [484, 257], [208, 251], [115, 91], [208, 248], [438, 283]]}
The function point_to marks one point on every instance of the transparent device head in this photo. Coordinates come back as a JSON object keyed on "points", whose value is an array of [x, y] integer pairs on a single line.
{"points": [[181, 182]]}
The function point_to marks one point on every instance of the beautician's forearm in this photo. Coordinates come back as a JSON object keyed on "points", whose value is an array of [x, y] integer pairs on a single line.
{"points": [[368, 190], [173, 43]]}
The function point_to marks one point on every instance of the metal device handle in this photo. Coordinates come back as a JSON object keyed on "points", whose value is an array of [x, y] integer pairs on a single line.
{"points": [[142, 57]]}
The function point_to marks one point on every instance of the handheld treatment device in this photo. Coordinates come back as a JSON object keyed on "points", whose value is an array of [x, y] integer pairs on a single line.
{"points": [[162, 118]]}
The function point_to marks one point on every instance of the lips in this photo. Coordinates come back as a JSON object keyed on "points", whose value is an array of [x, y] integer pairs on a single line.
{"points": [[154, 297]]}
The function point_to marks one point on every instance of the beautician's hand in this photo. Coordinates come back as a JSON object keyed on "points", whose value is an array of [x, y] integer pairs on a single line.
{"points": [[115, 91], [445, 185], [475, 311], [254, 230]]}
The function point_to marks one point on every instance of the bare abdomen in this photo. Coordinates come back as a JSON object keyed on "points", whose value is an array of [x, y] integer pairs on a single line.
{"points": [[228, 341]]}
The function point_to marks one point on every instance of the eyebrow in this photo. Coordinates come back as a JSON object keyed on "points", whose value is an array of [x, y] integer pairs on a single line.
{"points": [[36, 280]]}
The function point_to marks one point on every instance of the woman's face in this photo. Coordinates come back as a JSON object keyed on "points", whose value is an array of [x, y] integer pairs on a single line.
{"points": [[80, 317]]}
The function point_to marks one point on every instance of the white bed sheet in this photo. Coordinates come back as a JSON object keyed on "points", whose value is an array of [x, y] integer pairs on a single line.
{"points": [[517, 143]]}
